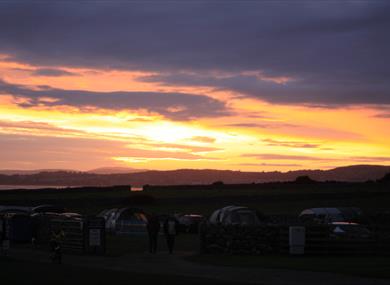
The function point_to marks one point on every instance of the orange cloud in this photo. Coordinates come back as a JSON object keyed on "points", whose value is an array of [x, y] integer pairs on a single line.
{"points": [[253, 135]]}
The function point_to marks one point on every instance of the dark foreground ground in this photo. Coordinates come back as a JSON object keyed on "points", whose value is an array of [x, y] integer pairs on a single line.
{"points": [[128, 262], [15, 271]]}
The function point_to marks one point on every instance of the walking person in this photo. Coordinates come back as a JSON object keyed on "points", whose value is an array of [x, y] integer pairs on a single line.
{"points": [[2, 234], [4, 237], [153, 227], [55, 244], [170, 231]]}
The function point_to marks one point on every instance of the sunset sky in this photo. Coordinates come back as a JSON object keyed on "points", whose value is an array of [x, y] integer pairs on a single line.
{"points": [[242, 85]]}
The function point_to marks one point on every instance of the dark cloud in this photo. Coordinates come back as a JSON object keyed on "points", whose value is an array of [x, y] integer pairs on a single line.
{"points": [[52, 152], [182, 147], [290, 144], [269, 156], [203, 139], [265, 125], [383, 115], [371, 158], [270, 164], [37, 127], [52, 72], [176, 106], [319, 92], [337, 53]]}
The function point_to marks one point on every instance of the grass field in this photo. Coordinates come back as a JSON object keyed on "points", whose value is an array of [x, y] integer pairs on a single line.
{"points": [[269, 199], [120, 245], [288, 201], [21, 272], [363, 266]]}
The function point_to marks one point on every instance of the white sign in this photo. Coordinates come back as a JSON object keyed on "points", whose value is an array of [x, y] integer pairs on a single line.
{"points": [[94, 237], [297, 240]]}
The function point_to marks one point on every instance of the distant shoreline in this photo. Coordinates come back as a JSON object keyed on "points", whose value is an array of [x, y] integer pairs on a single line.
{"points": [[31, 187], [51, 187]]}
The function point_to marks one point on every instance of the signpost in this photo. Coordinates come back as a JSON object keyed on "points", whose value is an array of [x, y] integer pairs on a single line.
{"points": [[297, 240], [95, 230]]}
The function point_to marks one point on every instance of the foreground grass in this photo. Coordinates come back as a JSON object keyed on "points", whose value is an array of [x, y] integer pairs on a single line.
{"points": [[120, 245], [21, 272], [363, 266]]}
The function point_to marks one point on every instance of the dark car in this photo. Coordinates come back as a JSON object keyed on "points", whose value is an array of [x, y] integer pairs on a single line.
{"points": [[348, 230]]}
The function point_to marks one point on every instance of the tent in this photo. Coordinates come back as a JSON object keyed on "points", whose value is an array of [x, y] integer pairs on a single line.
{"points": [[20, 227], [48, 208], [235, 215], [109, 216], [125, 220], [14, 209]]}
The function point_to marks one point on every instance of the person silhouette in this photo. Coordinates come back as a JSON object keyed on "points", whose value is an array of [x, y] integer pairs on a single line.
{"points": [[170, 231], [153, 227]]}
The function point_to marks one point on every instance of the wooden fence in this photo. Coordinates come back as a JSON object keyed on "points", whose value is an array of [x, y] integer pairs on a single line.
{"points": [[82, 235], [73, 239]]}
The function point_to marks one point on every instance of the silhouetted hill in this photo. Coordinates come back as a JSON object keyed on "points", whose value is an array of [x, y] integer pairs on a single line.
{"points": [[355, 173], [115, 170], [33, 171]]}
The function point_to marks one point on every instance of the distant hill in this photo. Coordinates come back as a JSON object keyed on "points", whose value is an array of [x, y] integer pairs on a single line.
{"points": [[26, 172], [356, 173], [115, 170]]}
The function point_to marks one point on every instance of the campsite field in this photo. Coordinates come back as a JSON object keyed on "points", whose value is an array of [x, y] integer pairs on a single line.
{"points": [[272, 200], [269, 198], [364, 266], [24, 272], [124, 252]]}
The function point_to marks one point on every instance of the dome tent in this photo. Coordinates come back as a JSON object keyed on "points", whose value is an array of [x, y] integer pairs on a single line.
{"points": [[109, 216], [235, 215], [48, 209], [14, 210], [126, 220], [19, 226]]}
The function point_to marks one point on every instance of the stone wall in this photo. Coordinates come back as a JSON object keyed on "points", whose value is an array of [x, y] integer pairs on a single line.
{"points": [[236, 239]]}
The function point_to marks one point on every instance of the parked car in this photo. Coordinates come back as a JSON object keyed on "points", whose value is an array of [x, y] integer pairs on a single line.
{"points": [[330, 215], [349, 230]]}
